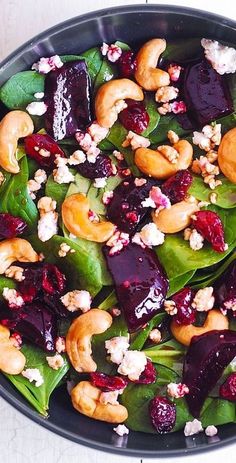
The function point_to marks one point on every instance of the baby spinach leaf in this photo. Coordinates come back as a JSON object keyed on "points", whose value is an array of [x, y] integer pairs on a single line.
{"points": [[19, 90], [177, 51], [169, 353], [154, 116], [124, 46], [94, 61], [168, 122], [106, 145], [227, 122], [109, 302], [68, 58], [213, 275], [217, 411], [226, 193], [6, 283], [107, 72], [116, 136], [175, 284], [38, 397], [56, 191], [141, 336]]}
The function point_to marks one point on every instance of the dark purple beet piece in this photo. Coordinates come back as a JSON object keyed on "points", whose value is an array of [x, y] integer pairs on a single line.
{"points": [[67, 95], [207, 357], [125, 209], [11, 226], [140, 282], [102, 167], [225, 288], [41, 279], [228, 388], [186, 315], [163, 414], [206, 93]]}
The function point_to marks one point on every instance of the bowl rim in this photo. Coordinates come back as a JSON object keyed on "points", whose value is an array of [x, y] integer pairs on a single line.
{"points": [[24, 408]]}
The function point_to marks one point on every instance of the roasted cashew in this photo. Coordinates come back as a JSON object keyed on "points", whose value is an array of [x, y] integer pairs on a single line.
{"points": [[153, 163], [147, 74], [15, 125], [15, 250], [75, 216], [226, 155], [12, 361], [215, 321], [110, 98], [78, 339], [176, 218], [85, 399]]}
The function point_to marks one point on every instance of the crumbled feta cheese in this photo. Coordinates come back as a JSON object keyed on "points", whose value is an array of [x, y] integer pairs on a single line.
{"points": [[112, 52], [40, 176], [121, 430], [62, 173], [36, 108], [33, 374], [109, 397], [151, 235], [193, 427], [135, 141], [39, 95], [178, 107], [133, 364], [100, 182], [97, 132], [174, 71], [211, 431], [161, 201], [64, 249], [78, 157], [170, 307], [230, 304], [155, 336], [107, 197], [88, 145], [35, 184], [47, 226], [140, 181], [204, 299], [93, 217], [177, 390], [15, 272], [55, 362], [60, 344], [221, 57], [45, 65], [118, 155], [166, 94], [104, 48], [77, 300], [16, 340], [148, 202], [46, 204], [13, 298], [117, 242], [116, 347], [208, 138], [196, 240], [213, 198], [115, 312]]}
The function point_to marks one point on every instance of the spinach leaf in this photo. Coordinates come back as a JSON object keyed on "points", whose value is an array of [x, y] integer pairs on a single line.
{"points": [[169, 353], [168, 122], [227, 122], [139, 338], [109, 302], [217, 411], [106, 145], [6, 283], [107, 72], [124, 46], [154, 116], [210, 278], [178, 52], [68, 58], [94, 62], [19, 90], [179, 282], [38, 397], [226, 193], [56, 191], [116, 136]]}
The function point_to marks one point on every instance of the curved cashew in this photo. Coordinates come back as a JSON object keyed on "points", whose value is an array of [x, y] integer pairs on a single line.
{"points": [[215, 321], [109, 101], [147, 74], [15, 125], [78, 339], [176, 218], [226, 155], [75, 216], [12, 361], [85, 399], [155, 164], [13, 250]]}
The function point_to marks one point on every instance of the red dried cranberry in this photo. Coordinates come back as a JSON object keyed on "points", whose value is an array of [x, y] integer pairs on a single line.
{"points": [[176, 187], [186, 315], [102, 167], [52, 279], [228, 388], [40, 279], [135, 116], [209, 224], [127, 64], [11, 226], [43, 149], [163, 414], [108, 383], [149, 374]]}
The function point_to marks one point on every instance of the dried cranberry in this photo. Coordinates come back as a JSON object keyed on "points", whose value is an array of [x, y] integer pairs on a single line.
{"points": [[41, 279], [149, 374], [102, 167], [108, 383], [135, 116], [163, 414], [52, 279], [11, 226], [228, 389], [186, 315], [176, 187], [43, 149], [127, 64], [209, 224]]}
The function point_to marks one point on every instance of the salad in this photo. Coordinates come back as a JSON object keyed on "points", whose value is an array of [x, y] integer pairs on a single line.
{"points": [[117, 234]]}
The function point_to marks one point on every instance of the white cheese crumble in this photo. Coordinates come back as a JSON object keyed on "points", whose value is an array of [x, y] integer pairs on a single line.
{"points": [[15, 272], [132, 364], [107, 197], [196, 240], [118, 155], [170, 307], [13, 297], [112, 52], [121, 430], [45, 65], [77, 300], [117, 242], [33, 374], [109, 397], [140, 181], [166, 94], [177, 390], [65, 249], [161, 201], [116, 347], [55, 362], [47, 224], [151, 235], [100, 182], [36, 108], [155, 336], [78, 157], [192, 427], [62, 173], [211, 431], [60, 344], [2, 178], [39, 95], [221, 57], [135, 141], [97, 132], [36, 183], [204, 299]]}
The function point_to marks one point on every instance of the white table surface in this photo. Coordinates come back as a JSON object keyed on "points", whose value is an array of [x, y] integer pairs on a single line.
{"points": [[22, 441]]}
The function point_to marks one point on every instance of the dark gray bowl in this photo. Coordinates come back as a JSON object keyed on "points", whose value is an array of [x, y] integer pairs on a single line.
{"points": [[131, 24]]}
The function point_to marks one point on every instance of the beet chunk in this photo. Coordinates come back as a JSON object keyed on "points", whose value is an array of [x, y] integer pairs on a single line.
{"points": [[228, 388], [225, 288], [67, 96], [163, 414], [186, 315], [140, 282], [206, 93], [207, 357], [102, 167]]}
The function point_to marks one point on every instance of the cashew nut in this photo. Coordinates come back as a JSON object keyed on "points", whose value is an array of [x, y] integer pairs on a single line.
{"points": [[176, 218], [15, 125], [75, 216], [78, 339], [147, 74], [109, 101], [12, 361], [154, 163], [85, 399], [215, 321], [226, 155], [13, 250]]}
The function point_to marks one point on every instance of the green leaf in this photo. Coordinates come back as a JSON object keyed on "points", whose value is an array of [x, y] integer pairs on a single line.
{"points": [[38, 397], [169, 354], [154, 116], [168, 122], [179, 282], [107, 72], [94, 62], [116, 136], [106, 145], [217, 411], [56, 191], [68, 58], [177, 50], [109, 302], [141, 336], [6, 283], [19, 90], [124, 46], [213, 275], [225, 193]]}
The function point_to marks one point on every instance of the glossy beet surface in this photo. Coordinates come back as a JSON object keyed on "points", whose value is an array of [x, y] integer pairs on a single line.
{"points": [[209, 225], [125, 209], [163, 414], [228, 388], [67, 95], [108, 383], [40, 279], [43, 149], [102, 167], [206, 93], [11, 226], [225, 287], [207, 357], [176, 187], [149, 374], [135, 116], [140, 282], [127, 64], [186, 315]]}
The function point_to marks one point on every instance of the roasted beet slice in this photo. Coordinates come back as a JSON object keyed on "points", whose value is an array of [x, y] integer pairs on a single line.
{"points": [[125, 209], [149, 374], [176, 187], [206, 93], [134, 117], [11, 226], [228, 388], [67, 96], [140, 282], [108, 383], [163, 414], [207, 357], [43, 149], [225, 288], [102, 167], [186, 315], [209, 224]]}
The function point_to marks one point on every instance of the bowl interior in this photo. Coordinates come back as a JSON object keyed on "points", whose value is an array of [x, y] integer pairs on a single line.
{"points": [[134, 24]]}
